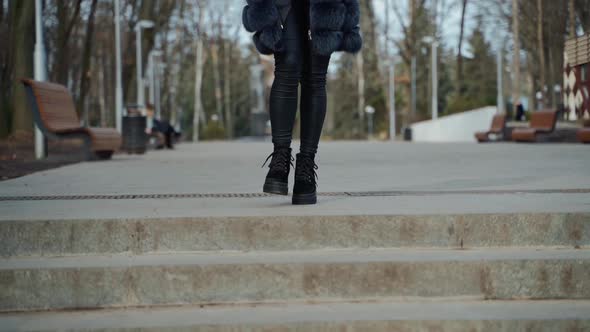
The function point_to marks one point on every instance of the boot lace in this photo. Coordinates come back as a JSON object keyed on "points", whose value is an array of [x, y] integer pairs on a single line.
{"points": [[280, 159], [306, 169]]}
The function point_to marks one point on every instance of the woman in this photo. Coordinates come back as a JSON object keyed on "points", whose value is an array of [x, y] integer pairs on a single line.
{"points": [[302, 35]]}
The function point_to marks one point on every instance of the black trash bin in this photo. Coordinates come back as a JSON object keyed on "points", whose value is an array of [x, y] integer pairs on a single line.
{"points": [[407, 133], [134, 136]]}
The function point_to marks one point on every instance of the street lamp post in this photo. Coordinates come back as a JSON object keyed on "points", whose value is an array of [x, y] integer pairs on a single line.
{"points": [[152, 74], [434, 80], [119, 79], [370, 110], [40, 73], [143, 24], [434, 73], [413, 89]]}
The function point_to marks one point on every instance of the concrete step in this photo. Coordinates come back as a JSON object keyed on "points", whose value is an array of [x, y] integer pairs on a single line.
{"points": [[387, 316], [261, 277], [138, 236]]}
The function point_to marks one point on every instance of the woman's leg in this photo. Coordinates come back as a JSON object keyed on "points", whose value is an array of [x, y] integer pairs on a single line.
{"points": [[283, 102], [313, 113], [313, 100], [288, 71]]}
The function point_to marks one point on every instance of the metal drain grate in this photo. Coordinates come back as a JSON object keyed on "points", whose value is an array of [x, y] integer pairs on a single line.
{"points": [[325, 194]]}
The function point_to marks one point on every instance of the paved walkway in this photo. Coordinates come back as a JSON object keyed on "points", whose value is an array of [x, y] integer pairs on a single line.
{"points": [[357, 177]]}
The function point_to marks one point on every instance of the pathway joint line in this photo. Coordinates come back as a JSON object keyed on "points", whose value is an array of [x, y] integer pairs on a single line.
{"points": [[261, 195]]}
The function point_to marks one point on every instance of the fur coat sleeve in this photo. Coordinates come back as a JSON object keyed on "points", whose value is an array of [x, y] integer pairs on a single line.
{"points": [[334, 25]]}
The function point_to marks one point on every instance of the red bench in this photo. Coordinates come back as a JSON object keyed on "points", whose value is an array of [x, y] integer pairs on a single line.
{"points": [[498, 127], [542, 122], [584, 135], [55, 115]]}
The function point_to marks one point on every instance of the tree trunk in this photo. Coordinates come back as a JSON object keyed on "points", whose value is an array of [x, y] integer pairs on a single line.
{"points": [[24, 43], [5, 71], [460, 49], [85, 72], [361, 90], [572, 19], [552, 81], [541, 46], [101, 90], [66, 23], [227, 89], [516, 59], [217, 79], [198, 85]]}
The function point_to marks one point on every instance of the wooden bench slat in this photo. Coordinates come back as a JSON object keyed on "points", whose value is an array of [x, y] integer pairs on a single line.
{"points": [[57, 113], [56, 106], [584, 135], [498, 126], [541, 122]]}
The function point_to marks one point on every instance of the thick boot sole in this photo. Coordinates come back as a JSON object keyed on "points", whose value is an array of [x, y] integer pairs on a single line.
{"points": [[276, 187], [305, 199]]}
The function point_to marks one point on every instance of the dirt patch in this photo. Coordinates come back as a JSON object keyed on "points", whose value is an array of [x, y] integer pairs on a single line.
{"points": [[17, 156]]}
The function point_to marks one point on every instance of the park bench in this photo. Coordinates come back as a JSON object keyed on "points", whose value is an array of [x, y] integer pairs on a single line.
{"points": [[55, 115], [542, 123], [498, 128]]}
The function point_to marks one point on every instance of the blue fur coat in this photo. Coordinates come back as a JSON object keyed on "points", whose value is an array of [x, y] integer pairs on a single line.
{"points": [[334, 25]]}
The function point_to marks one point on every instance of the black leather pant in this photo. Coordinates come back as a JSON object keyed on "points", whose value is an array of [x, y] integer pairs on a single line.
{"points": [[297, 65]]}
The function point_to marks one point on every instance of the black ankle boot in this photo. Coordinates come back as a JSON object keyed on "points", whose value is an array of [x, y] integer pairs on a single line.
{"points": [[277, 179], [304, 191]]}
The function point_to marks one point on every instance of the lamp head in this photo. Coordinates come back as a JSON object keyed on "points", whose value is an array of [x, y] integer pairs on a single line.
{"points": [[428, 39], [144, 24]]}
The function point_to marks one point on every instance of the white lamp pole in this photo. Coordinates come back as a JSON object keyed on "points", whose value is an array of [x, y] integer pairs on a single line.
{"points": [[434, 80], [370, 110], [118, 75], [40, 73], [143, 24], [152, 65], [434, 73], [150, 78], [413, 89]]}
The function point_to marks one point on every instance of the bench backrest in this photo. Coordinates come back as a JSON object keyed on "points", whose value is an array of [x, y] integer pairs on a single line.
{"points": [[498, 123], [55, 105], [543, 120]]}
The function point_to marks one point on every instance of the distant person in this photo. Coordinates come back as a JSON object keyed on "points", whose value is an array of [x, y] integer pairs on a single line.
{"points": [[161, 129], [520, 116], [302, 35]]}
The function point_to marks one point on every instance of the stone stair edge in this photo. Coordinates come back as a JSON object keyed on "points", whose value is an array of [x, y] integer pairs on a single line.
{"points": [[315, 256], [242, 314], [309, 217]]}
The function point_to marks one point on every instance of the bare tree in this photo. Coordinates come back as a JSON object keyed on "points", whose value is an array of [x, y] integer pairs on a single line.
{"points": [[460, 46], [199, 62], [23, 15], [572, 19], [516, 59], [68, 15], [85, 72], [361, 87], [541, 49], [214, 48]]}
